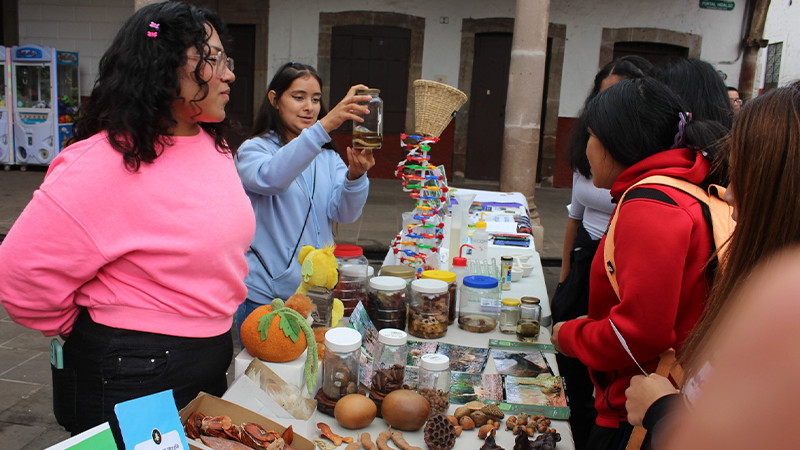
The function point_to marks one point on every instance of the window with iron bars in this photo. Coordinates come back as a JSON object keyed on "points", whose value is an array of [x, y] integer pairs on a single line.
{"points": [[772, 73]]}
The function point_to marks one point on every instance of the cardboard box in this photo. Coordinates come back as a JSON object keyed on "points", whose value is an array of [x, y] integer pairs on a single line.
{"points": [[249, 391], [215, 406]]}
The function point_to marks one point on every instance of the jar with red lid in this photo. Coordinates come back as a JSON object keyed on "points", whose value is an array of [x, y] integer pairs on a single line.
{"points": [[353, 275]]}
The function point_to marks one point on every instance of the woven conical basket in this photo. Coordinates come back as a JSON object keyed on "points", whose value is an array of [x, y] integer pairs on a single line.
{"points": [[435, 104]]}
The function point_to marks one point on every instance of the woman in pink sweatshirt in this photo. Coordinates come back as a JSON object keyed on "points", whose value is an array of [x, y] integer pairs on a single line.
{"points": [[146, 266]]}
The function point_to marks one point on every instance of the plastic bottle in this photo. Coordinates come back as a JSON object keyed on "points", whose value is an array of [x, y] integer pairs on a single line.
{"points": [[480, 240], [460, 269]]}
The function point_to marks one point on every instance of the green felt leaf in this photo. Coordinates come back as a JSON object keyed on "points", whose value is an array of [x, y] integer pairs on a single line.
{"points": [[289, 327]]}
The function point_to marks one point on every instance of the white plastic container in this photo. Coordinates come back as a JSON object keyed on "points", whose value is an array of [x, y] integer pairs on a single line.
{"points": [[434, 381], [480, 241], [341, 362]]}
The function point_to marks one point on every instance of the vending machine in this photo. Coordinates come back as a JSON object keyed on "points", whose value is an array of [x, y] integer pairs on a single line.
{"points": [[67, 93], [35, 108], [6, 124]]}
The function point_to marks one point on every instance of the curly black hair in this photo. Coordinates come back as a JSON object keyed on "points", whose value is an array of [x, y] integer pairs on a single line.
{"points": [[137, 81]]}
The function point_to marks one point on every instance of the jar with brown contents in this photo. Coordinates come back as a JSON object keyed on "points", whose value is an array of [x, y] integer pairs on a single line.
{"points": [[452, 287], [434, 381], [386, 304], [388, 366], [341, 361], [428, 308]]}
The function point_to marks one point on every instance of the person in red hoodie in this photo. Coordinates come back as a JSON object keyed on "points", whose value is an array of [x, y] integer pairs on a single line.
{"points": [[639, 128]]}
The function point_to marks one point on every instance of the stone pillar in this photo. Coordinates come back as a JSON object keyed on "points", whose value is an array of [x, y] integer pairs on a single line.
{"points": [[524, 104], [753, 42]]}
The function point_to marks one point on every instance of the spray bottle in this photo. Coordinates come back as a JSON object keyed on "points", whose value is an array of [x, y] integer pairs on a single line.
{"points": [[480, 240]]}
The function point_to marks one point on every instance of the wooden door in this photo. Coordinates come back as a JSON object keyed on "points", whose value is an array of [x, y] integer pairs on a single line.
{"points": [[377, 56], [488, 105], [240, 106]]}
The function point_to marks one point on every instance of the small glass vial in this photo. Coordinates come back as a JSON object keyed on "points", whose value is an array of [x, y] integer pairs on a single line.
{"points": [[322, 298], [530, 316], [341, 362], [452, 287], [389, 364], [479, 303], [369, 133], [386, 303], [427, 309], [434, 381], [509, 315]]}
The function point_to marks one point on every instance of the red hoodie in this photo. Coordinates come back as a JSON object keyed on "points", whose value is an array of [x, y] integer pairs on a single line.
{"points": [[661, 250]]}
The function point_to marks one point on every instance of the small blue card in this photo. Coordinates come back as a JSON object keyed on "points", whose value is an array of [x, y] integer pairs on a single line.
{"points": [[151, 423]]}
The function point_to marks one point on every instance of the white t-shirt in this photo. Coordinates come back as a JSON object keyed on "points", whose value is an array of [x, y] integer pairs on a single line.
{"points": [[591, 205]]}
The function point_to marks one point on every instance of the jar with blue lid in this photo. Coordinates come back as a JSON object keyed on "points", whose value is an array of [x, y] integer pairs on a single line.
{"points": [[479, 303]]}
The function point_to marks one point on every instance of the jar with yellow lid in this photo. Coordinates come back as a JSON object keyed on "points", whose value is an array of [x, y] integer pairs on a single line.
{"points": [[452, 287], [509, 315]]}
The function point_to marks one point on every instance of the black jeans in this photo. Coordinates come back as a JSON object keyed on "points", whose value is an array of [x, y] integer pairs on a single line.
{"points": [[112, 365], [571, 300]]}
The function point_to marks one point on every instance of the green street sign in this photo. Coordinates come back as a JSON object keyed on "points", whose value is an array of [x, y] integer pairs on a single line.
{"points": [[717, 4]]}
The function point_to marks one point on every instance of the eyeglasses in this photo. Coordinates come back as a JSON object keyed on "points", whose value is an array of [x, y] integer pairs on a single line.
{"points": [[219, 69], [738, 101]]}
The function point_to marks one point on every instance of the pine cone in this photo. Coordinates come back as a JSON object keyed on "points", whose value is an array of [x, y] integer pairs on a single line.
{"points": [[440, 434], [493, 411]]}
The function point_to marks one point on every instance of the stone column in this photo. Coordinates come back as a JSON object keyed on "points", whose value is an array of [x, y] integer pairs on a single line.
{"points": [[524, 104]]}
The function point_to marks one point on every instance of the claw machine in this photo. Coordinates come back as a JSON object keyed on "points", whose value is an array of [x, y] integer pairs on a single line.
{"points": [[6, 124], [67, 94], [35, 113]]}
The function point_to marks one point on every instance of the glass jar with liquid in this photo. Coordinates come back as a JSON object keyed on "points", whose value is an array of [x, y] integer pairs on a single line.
{"points": [[369, 133], [509, 315], [530, 316]]}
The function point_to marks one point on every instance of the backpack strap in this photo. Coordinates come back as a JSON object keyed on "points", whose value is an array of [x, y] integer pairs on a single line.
{"points": [[720, 212]]}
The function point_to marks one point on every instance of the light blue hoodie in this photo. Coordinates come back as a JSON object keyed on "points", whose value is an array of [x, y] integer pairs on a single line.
{"points": [[280, 181]]}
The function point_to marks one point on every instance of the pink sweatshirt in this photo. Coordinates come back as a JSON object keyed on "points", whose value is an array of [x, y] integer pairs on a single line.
{"points": [[160, 250]]}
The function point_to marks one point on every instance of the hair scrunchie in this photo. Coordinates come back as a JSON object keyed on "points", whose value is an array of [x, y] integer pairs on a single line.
{"points": [[685, 118]]}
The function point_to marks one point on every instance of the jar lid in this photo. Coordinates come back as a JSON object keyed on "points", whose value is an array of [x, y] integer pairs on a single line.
{"points": [[444, 275], [354, 270], [530, 300], [388, 283], [367, 91], [429, 286], [370, 271], [342, 340], [392, 336], [434, 361], [459, 261], [347, 251], [511, 301], [398, 270], [480, 282]]}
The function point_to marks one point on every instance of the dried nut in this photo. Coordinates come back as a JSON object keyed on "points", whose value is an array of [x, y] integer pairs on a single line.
{"points": [[453, 420], [479, 418], [467, 423], [458, 431], [484, 431], [461, 411], [493, 411], [522, 418], [474, 405], [511, 423]]}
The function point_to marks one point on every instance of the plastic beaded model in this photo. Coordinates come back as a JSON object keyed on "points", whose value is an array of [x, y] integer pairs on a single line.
{"points": [[417, 245]]}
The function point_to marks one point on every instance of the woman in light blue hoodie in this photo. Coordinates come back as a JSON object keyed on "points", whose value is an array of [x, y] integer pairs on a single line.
{"points": [[297, 183]]}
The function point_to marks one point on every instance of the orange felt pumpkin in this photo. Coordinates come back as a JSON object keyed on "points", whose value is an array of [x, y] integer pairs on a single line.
{"points": [[277, 347]]}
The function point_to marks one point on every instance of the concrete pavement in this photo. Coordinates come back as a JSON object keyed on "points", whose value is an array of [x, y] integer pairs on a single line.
{"points": [[26, 415]]}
